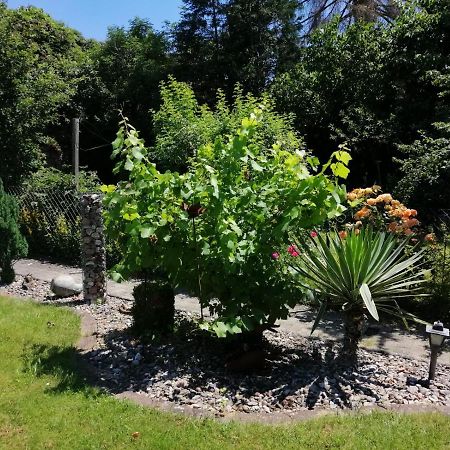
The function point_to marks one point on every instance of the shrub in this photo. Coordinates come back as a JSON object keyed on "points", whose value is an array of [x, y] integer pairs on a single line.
{"points": [[381, 211], [12, 243], [365, 272], [214, 229], [182, 125], [154, 307], [437, 262]]}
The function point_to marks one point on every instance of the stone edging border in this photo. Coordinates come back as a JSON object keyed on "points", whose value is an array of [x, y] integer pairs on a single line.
{"points": [[88, 341]]}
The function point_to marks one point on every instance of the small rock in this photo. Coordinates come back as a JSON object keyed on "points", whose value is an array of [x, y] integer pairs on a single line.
{"points": [[65, 286]]}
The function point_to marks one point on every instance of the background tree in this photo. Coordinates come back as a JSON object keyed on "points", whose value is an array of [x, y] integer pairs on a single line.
{"points": [[125, 76], [426, 162], [262, 38], [318, 12], [219, 43], [371, 86], [198, 41], [41, 62]]}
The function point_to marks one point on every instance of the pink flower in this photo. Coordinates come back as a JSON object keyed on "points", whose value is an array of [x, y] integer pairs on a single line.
{"points": [[275, 255], [292, 250], [313, 234]]}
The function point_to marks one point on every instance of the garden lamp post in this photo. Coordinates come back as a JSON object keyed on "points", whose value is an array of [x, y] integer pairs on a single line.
{"points": [[437, 334]]}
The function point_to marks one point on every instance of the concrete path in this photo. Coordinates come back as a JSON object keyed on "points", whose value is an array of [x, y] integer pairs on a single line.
{"points": [[386, 338]]}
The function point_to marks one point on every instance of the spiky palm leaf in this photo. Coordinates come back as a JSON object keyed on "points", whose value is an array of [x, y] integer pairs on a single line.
{"points": [[370, 269]]}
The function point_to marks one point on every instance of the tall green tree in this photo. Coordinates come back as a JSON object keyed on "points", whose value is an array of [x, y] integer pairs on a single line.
{"points": [[221, 42], [41, 66], [261, 39], [198, 40], [371, 86], [123, 75]]}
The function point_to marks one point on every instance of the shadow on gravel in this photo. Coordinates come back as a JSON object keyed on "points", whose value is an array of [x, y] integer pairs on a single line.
{"points": [[191, 362]]}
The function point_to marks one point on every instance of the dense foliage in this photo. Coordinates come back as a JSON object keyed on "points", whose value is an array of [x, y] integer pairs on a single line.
{"points": [[42, 67], [426, 162], [221, 42], [380, 86], [12, 243], [182, 125], [214, 229], [374, 86]]}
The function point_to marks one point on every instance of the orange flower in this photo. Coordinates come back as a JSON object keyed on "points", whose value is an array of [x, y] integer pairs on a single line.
{"points": [[392, 227], [362, 213], [408, 232], [409, 223], [371, 202], [430, 237], [386, 198], [342, 234]]}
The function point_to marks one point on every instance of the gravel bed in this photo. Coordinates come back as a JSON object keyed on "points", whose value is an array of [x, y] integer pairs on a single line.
{"points": [[189, 367]]}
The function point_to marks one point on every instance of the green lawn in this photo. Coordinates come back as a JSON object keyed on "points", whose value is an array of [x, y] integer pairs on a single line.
{"points": [[44, 404]]}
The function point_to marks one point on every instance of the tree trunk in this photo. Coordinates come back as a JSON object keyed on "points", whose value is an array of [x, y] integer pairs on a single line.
{"points": [[353, 330]]}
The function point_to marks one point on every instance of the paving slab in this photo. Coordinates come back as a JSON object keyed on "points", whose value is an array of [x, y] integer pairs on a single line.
{"points": [[390, 339]]}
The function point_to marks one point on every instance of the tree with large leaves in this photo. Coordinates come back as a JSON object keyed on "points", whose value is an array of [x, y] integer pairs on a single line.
{"points": [[214, 228]]}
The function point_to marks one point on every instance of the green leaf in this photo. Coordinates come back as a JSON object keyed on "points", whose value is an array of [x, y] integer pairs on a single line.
{"points": [[368, 301], [129, 165], [137, 153], [340, 170], [206, 250], [130, 217], [320, 313], [116, 276], [220, 329], [133, 139], [255, 166], [343, 156], [107, 189], [146, 232], [215, 186]]}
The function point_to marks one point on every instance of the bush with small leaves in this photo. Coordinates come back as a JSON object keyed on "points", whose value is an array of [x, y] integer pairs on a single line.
{"points": [[12, 244]]}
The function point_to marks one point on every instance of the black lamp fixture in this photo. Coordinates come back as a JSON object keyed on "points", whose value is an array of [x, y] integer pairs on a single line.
{"points": [[437, 334]]}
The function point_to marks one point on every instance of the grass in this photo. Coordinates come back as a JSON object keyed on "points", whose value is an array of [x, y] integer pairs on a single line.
{"points": [[45, 404]]}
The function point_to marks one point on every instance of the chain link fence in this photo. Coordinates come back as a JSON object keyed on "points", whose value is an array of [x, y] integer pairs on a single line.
{"points": [[51, 223]]}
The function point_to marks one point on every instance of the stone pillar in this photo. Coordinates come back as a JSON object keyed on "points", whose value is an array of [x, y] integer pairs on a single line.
{"points": [[93, 253]]}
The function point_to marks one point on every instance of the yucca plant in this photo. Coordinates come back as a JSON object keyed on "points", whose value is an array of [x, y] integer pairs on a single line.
{"points": [[365, 271]]}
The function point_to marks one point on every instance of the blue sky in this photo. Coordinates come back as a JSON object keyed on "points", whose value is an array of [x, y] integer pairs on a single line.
{"points": [[92, 17]]}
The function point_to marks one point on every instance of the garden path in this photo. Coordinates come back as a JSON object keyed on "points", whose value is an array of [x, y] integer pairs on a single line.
{"points": [[388, 338]]}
